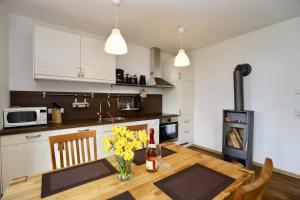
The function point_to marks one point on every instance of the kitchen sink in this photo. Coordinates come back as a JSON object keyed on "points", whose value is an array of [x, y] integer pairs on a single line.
{"points": [[110, 119]]}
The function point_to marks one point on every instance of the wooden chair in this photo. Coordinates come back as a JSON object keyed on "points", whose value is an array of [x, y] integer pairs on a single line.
{"points": [[255, 189], [138, 127], [73, 140]]}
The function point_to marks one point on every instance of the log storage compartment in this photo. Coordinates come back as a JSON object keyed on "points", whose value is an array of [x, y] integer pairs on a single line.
{"points": [[238, 136], [235, 138]]}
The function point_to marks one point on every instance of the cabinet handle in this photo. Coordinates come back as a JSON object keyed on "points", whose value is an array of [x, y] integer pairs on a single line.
{"points": [[82, 72], [79, 72], [107, 132], [32, 136], [83, 130], [179, 75], [186, 131], [186, 121]]}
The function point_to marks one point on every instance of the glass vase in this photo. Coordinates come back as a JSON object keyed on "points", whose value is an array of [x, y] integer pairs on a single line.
{"points": [[124, 173]]}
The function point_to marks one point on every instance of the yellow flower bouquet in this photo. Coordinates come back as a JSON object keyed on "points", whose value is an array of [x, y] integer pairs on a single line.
{"points": [[124, 143]]}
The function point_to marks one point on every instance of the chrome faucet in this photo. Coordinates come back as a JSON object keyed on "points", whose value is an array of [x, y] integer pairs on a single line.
{"points": [[100, 109]]}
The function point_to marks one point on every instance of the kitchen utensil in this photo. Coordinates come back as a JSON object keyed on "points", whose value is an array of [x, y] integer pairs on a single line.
{"points": [[142, 80], [143, 93]]}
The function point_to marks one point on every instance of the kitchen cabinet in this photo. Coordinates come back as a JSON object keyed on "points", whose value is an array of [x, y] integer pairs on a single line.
{"points": [[185, 98], [185, 130], [104, 131], [95, 63], [56, 54], [29, 153], [24, 159], [180, 98], [26, 154], [60, 55]]}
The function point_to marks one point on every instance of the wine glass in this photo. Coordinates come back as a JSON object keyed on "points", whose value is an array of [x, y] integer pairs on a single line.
{"points": [[158, 148]]}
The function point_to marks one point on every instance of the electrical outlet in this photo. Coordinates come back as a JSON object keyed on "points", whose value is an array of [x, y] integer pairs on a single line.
{"points": [[62, 110]]}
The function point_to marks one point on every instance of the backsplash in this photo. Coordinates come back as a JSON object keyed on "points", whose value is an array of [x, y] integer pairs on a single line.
{"points": [[150, 105]]}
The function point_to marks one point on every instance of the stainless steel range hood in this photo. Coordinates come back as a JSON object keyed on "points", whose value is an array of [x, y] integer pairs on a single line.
{"points": [[156, 70]]}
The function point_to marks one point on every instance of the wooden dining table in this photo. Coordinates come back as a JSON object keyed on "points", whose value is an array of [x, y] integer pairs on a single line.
{"points": [[141, 186]]}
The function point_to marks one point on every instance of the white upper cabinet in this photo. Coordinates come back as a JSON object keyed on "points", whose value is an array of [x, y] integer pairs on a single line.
{"points": [[60, 55], [56, 53], [95, 63]]}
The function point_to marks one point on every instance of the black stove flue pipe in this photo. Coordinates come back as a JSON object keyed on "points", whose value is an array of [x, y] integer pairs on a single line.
{"points": [[239, 72]]}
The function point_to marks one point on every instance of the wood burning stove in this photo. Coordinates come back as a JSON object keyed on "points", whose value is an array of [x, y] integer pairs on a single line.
{"points": [[238, 136], [238, 124]]}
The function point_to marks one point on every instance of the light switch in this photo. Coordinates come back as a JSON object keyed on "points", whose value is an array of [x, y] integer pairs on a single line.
{"points": [[297, 112]]}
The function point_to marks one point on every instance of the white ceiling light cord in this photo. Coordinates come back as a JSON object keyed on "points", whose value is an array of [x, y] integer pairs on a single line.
{"points": [[181, 60], [116, 16], [115, 43], [180, 41]]}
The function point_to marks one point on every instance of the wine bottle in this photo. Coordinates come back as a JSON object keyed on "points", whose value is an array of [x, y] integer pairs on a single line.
{"points": [[151, 154]]}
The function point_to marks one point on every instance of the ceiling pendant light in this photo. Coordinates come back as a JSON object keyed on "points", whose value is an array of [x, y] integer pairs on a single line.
{"points": [[115, 43], [181, 60]]}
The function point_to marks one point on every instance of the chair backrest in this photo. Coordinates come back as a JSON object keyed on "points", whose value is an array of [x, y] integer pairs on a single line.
{"points": [[138, 127], [255, 189], [70, 146]]}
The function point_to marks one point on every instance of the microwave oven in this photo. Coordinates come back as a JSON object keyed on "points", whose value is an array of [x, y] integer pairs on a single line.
{"points": [[24, 116]]}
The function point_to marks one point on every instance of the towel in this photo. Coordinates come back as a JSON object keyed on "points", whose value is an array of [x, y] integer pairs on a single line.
{"points": [[170, 129]]}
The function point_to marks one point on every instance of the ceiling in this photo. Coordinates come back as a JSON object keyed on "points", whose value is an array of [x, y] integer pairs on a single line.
{"points": [[152, 23]]}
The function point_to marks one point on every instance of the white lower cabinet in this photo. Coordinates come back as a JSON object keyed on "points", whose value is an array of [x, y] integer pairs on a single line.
{"points": [[103, 131], [24, 159], [185, 130], [28, 154]]}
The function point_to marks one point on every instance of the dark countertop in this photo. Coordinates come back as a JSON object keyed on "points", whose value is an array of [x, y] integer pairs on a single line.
{"points": [[77, 124]]}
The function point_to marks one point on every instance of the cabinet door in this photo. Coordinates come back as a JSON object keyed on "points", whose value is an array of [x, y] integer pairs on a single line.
{"points": [[185, 98], [56, 53], [24, 159], [103, 131], [101, 145], [185, 130], [185, 73], [97, 65]]}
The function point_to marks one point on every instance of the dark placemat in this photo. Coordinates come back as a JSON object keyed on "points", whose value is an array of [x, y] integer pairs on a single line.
{"points": [[123, 196], [195, 182], [140, 155], [61, 180]]}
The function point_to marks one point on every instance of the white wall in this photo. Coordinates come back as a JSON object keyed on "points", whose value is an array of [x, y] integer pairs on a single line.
{"points": [[4, 94], [137, 61], [274, 53]]}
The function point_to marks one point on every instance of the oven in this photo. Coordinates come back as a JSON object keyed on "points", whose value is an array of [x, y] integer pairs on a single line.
{"points": [[168, 129]]}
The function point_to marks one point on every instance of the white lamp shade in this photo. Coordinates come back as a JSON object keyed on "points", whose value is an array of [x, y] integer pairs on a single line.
{"points": [[181, 60], [115, 43]]}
